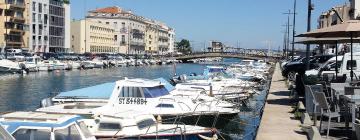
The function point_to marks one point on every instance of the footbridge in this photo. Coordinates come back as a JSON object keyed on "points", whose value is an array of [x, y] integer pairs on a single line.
{"points": [[186, 58]]}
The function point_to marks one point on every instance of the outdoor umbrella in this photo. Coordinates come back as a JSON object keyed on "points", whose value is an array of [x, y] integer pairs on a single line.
{"points": [[349, 28], [335, 40]]}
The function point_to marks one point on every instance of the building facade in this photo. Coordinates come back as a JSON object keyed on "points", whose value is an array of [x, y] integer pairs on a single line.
{"points": [[134, 34], [216, 46], [93, 37], [49, 26], [14, 24], [329, 18]]}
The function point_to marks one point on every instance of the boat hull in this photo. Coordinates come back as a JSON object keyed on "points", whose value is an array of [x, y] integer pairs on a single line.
{"points": [[204, 120], [187, 136]]}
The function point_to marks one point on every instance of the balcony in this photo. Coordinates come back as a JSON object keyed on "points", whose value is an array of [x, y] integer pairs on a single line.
{"points": [[136, 43], [14, 4]]}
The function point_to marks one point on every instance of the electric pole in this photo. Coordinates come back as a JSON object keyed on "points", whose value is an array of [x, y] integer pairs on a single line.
{"points": [[288, 33]]}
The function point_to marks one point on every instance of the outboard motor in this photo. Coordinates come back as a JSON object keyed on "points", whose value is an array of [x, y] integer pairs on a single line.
{"points": [[46, 102], [24, 70]]}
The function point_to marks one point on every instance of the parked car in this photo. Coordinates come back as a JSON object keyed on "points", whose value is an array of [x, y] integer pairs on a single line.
{"points": [[300, 66], [327, 67]]}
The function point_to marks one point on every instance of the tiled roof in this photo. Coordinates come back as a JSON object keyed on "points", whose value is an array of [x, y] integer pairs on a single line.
{"points": [[111, 10]]}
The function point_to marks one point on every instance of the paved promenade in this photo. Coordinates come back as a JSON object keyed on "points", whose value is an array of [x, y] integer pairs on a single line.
{"points": [[277, 122]]}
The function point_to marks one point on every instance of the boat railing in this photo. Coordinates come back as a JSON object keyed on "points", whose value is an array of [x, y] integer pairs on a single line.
{"points": [[171, 99]]}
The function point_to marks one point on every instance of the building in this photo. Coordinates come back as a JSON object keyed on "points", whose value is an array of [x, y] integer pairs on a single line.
{"points": [[14, 24], [329, 18], [49, 26], [129, 28], [93, 37], [151, 37], [172, 48], [216, 46], [131, 31]]}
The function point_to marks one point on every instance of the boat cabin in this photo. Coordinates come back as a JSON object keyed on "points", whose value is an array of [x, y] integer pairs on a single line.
{"points": [[44, 126]]}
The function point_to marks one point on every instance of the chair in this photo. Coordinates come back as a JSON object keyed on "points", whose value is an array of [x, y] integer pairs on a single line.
{"points": [[325, 110]]}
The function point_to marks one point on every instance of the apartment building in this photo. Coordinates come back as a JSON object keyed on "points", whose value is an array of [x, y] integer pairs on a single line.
{"points": [[131, 31], [49, 26], [14, 31], [93, 37]]}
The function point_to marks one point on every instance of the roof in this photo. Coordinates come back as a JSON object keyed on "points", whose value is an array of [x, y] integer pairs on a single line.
{"points": [[15, 120], [102, 91], [110, 10]]}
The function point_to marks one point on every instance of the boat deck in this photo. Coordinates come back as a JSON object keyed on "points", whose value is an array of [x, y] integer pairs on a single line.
{"points": [[277, 123]]}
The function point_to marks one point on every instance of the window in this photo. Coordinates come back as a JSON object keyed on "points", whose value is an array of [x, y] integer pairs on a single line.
{"points": [[34, 6], [145, 123], [70, 133], [130, 92], [34, 17], [40, 8], [348, 64], [45, 18], [109, 126], [153, 92], [34, 134], [165, 105]]}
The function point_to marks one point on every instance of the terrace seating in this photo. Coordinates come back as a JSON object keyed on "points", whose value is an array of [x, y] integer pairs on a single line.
{"points": [[320, 98]]}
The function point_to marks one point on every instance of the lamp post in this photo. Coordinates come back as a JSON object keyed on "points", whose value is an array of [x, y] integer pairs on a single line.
{"points": [[308, 30], [293, 37]]}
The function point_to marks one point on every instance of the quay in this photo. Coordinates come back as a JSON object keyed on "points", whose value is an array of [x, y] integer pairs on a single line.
{"points": [[277, 122]]}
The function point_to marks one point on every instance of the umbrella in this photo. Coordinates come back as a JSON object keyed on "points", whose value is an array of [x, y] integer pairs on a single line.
{"points": [[349, 28], [334, 40]]}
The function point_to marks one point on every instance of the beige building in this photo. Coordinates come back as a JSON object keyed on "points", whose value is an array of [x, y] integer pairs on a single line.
{"points": [[151, 36], [93, 37], [329, 18], [14, 21]]}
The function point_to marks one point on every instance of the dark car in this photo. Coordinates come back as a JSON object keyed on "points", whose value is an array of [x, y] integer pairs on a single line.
{"points": [[300, 65]]}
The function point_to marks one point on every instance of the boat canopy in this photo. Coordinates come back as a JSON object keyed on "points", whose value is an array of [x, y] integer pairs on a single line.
{"points": [[153, 92], [102, 91], [166, 84]]}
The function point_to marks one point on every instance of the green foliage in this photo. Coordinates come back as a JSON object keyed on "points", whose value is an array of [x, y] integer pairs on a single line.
{"points": [[184, 46], [66, 1]]}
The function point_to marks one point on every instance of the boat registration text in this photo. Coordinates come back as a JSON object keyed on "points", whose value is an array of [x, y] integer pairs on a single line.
{"points": [[138, 101]]}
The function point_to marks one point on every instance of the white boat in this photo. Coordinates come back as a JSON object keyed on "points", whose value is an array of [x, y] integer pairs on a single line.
{"points": [[8, 66], [147, 96], [38, 126], [134, 125]]}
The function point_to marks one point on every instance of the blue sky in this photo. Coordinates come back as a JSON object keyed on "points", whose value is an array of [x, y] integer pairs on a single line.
{"points": [[249, 23]]}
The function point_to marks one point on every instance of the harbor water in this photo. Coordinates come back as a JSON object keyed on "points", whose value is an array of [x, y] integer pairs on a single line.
{"points": [[24, 92]]}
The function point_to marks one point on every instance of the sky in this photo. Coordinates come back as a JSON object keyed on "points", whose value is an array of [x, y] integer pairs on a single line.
{"points": [[242, 23]]}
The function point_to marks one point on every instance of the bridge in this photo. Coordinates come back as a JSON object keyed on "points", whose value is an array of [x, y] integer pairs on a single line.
{"points": [[186, 58]]}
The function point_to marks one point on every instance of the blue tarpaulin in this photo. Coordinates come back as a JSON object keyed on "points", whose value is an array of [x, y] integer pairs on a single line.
{"points": [[102, 91]]}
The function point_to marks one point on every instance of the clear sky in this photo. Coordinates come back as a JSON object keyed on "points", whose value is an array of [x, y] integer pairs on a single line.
{"points": [[249, 23]]}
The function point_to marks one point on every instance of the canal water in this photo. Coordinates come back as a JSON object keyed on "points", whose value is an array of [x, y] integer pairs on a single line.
{"points": [[24, 92]]}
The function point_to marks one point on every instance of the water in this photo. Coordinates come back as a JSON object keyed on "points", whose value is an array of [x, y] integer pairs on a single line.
{"points": [[24, 92]]}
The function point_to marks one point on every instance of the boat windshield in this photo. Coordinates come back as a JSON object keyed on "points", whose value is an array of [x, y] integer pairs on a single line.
{"points": [[68, 133], [4, 135], [153, 92]]}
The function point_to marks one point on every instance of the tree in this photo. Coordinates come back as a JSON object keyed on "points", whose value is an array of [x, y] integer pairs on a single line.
{"points": [[184, 46]]}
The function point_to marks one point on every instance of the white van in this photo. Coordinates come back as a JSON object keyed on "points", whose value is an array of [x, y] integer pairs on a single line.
{"points": [[346, 65]]}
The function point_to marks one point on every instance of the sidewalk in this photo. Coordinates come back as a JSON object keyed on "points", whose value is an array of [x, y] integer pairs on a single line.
{"points": [[277, 122]]}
